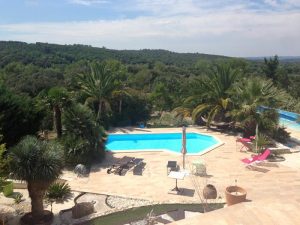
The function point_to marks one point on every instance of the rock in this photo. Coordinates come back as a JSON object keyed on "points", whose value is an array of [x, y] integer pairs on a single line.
{"points": [[7, 213], [81, 170], [82, 209]]}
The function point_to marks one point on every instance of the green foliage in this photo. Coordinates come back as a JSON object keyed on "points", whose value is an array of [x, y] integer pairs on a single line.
{"points": [[270, 67], [261, 141], [161, 98], [212, 98], [35, 160], [58, 192], [18, 198], [80, 124], [98, 85], [18, 116], [131, 114], [4, 160], [248, 95], [55, 99], [280, 134], [170, 120], [7, 188]]}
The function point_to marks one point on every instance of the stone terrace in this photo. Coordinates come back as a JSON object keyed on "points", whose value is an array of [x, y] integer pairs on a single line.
{"points": [[273, 188]]}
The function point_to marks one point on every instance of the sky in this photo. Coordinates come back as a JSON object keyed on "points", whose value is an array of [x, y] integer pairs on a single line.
{"points": [[239, 28]]}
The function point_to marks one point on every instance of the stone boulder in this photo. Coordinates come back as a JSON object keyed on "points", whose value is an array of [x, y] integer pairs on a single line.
{"points": [[82, 209], [6, 213]]}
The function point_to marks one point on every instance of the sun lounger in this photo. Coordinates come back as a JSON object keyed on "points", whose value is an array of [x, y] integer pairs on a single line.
{"points": [[246, 143], [256, 158], [120, 165], [139, 169], [131, 165]]}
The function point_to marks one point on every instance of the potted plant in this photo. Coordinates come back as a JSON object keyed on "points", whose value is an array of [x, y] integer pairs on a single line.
{"points": [[235, 194]]}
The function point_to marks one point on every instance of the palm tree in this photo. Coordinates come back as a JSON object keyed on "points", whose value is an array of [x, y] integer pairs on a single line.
{"points": [[248, 95], [56, 98], [98, 85], [212, 97], [38, 163]]}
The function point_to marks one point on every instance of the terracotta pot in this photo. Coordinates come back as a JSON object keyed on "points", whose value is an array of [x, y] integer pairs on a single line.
{"points": [[234, 195], [209, 192]]}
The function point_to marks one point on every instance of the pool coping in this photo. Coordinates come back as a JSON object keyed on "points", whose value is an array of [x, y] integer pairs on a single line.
{"points": [[206, 150]]}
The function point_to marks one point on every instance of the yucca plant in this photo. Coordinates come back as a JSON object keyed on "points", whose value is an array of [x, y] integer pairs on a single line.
{"points": [[39, 163], [261, 142], [58, 191]]}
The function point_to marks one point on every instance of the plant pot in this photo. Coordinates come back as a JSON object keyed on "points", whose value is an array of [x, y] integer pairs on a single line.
{"points": [[234, 195], [47, 219], [209, 192]]}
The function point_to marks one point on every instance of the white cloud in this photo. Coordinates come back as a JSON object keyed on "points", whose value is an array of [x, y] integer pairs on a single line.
{"points": [[238, 34], [87, 2], [232, 27]]}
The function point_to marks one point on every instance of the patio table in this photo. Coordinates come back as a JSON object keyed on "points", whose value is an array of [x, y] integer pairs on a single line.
{"points": [[177, 175]]}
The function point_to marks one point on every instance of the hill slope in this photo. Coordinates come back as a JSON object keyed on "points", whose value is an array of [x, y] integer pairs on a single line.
{"points": [[44, 54]]}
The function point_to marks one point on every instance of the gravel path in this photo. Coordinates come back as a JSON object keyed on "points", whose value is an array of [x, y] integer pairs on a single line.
{"points": [[121, 203]]}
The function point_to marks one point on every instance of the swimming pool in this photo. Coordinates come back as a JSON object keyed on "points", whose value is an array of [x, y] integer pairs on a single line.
{"points": [[289, 119], [286, 118], [196, 143]]}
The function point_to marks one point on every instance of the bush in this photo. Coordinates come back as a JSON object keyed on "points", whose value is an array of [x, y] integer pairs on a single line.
{"points": [[58, 192], [281, 135], [4, 161], [170, 120], [134, 109], [7, 188], [18, 116], [84, 139], [76, 149], [18, 198]]}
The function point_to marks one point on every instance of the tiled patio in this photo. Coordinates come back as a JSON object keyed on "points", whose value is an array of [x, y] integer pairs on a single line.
{"points": [[273, 189]]}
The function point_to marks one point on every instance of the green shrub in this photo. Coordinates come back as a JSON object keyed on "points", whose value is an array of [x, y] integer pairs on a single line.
{"points": [[84, 137], [18, 116], [58, 192], [281, 135], [7, 188], [168, 119], [18, 197], [4, 161], [76, 149]]}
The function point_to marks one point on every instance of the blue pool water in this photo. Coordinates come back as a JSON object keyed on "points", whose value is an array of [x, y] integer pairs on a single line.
{"points": [[196, 143], [286, 118], [289, 119]]}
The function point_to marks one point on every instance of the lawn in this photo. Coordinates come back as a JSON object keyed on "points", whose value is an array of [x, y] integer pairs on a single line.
{"points": [[139, 213]]}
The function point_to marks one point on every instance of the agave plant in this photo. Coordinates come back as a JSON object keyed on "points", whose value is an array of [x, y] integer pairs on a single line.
{"points": [[58, 191]]}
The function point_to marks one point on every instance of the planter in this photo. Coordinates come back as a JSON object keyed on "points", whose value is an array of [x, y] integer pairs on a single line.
{"points": [[47, 219], [209, 192], [234, 195]]}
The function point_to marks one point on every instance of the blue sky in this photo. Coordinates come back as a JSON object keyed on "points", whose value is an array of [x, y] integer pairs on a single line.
{"points": [[226, 27]]}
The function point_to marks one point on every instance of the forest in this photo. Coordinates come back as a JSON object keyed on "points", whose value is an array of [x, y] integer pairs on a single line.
{"points": [[80, 91]]}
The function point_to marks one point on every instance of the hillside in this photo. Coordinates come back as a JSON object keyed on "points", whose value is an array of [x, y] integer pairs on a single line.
{"points": [[44, 54]]}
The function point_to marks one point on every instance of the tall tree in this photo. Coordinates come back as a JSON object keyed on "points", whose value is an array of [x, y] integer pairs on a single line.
{"points": [[56, 98], [38, 163], [212, 97], [98, 85], [248, 96], [270, 67]]}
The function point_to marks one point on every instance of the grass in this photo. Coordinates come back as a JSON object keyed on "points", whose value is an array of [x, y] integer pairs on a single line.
{"points": [[139, 213]]}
